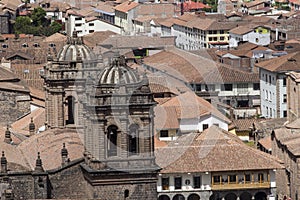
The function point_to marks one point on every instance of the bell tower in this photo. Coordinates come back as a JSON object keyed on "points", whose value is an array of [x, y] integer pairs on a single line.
{"points": [[64, 78], [119, 135]]}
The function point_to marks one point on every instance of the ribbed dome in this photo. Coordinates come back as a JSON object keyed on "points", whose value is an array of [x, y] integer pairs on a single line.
{"points": [[75, 50], [118, 72]]}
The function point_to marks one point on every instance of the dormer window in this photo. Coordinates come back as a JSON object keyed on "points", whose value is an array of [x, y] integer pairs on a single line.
{"points": [[36, 45], [24, 45], [4, 46], [52, 45]]}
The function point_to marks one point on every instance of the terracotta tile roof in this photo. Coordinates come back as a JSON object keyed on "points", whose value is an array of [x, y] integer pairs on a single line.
{"points": [[97, 37], [188, 105], [56, 37], [224, 74], [126, 6], [245, 124], [156, 10], [165, 118], [183, 65], [241, 30], [266, 142], [160, 84], [254, 3], [9, 81], [158, 143], [22, 125], [247, 46], [267, 125], [49, 144], [36, 93], [289, 62], [290, 138], [107, 6], [213, 150]]}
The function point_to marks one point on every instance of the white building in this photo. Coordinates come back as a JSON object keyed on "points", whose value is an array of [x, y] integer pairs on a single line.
{"points": [[215, 164], [187, 113], [84, 25], [258, 35], [272, 75]]}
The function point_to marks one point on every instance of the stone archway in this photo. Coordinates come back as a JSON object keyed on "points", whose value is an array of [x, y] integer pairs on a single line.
{"points": [[261, 196], [245, 196], [164, 197], [193, 197], [230, 196], [178, 197]]}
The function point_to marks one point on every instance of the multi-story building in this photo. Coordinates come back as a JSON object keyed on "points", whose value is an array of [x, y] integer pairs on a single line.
{"points": [[257, 35], [211, 80], [195, 32], [185, 113], [135, 18], [213, 165], [272, 75], [85, 24]]}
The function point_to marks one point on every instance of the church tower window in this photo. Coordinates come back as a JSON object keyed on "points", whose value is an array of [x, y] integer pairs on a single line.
{"points": [[112, 136]]}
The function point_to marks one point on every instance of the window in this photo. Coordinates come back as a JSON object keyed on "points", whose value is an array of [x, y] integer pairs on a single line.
{"points": [[215, 38], [222, 32], [247, 177], [91, 24], [25, 45], [112, 136], [78, 18], [4, 46], [210, 87], [210, 39], [270, 112], [91, 31], [215, 32], [256, 86], [204, 126], [197, 181], [216, 179], [165, 183], [164, 133], [242, 87], [232, 178], [222, 38], [216, 124], [284, 113], [270, 80], [36, 45], [178, 183], [133, 139], [226, 87], [284, 82], [77, 25], [284, 98], [260, 177]]}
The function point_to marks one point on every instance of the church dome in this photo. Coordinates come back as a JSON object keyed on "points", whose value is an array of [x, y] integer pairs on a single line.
{"points": [[118, 72], [75, 50]]}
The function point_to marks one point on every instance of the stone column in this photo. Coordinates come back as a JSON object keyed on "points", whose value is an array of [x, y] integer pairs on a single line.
{"points": [[123, 145], [60, 110], [102, 139]]}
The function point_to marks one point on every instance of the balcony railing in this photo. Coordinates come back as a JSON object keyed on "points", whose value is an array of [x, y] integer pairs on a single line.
{"points": [[247, 185]]}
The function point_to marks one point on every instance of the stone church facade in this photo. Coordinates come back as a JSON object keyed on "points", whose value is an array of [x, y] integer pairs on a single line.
{"points": [[111, 108]]}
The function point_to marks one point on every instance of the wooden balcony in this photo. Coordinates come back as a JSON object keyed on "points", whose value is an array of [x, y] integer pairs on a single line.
{"points": [[235, 186]]}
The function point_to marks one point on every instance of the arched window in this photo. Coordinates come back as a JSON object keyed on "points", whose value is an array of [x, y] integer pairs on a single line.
{"points": [[70, 110], [112, 136], [133, 139]]}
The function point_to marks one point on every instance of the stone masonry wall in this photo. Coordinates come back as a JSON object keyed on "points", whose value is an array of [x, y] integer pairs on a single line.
{"points": [[13, 105], [68, 183], [146, 191]]}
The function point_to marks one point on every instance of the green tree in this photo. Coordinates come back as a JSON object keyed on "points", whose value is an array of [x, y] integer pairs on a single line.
{"points": [[38, 17], [56, 27], [22, 25]]}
